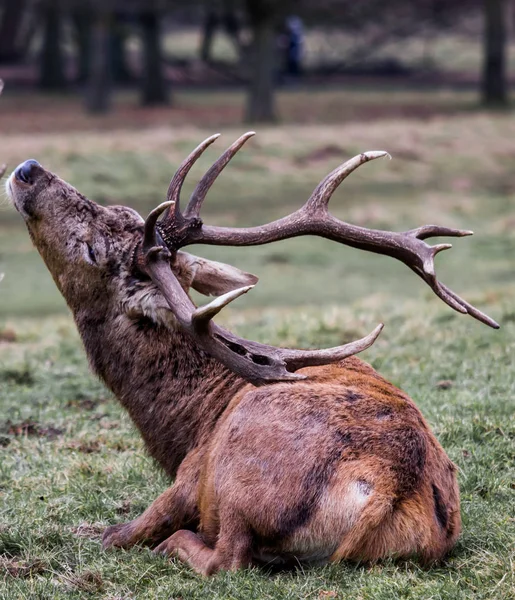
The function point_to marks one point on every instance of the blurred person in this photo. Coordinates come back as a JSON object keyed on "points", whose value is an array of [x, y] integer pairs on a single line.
{"points": [[291, 43]]}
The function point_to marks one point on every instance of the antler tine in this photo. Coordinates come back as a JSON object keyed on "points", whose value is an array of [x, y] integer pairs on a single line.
{"points": [[427, 231], [149, 236], [471, 310], [320, 197], [297, 359], [440, 247], [174, 189], [426, 270], [460, 305], [199, 194], [201, 316]]}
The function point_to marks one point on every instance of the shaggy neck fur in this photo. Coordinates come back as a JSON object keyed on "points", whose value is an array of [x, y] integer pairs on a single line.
{"points": [[173, 391]]}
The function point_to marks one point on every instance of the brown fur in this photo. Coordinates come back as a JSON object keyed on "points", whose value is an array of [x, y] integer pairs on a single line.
{"points": [[339, 466]]}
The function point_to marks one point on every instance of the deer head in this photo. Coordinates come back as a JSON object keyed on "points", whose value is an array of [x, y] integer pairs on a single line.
{"points": [[110, 258], [91, 250]]}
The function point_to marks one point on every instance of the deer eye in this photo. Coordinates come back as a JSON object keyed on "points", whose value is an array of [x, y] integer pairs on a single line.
{"points": [[91, 254]]}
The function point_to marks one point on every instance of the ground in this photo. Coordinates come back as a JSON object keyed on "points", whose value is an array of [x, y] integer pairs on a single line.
{"points": [[70, 460]]}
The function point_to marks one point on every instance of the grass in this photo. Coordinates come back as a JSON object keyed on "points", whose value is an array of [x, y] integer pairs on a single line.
{"points": [[70, 460]]}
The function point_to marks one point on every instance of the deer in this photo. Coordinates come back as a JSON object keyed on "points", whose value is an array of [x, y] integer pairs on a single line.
{"points": [[278, 456]]}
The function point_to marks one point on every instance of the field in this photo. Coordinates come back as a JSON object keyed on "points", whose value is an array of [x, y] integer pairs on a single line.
{"points": [[70, 460]]}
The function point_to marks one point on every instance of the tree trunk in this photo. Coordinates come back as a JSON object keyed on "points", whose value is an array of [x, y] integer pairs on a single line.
{"points": [[495, 86], [29, 31], [154, 88], [82, 20], [98, 93], [232, 24], [12, 20], [208, 35], [120, 68], [260, 98], [52, 74]]}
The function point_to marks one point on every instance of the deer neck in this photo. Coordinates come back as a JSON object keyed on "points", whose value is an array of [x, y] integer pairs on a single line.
{"points": [[173, 391]]}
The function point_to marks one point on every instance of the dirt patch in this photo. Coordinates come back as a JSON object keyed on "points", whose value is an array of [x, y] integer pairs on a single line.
{"points": [[444, 384], [65, 117], [92, 531], [18, 376], [93, 446], [107, 424], [277, 258], [22, 569], [29, 428], [85, 446], [322, 154], [85, 403], [8, 335], [98, 416], [125, 508], [87, 581]]}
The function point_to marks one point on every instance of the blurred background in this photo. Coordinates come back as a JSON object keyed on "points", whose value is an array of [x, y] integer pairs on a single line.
{"points": [[112, 95]]}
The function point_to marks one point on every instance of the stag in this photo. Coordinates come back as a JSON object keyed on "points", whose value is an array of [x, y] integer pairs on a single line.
{"points": [[278, 455]]}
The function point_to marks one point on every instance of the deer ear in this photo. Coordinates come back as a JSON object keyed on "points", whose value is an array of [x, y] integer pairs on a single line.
{"points": [[209, 277]]}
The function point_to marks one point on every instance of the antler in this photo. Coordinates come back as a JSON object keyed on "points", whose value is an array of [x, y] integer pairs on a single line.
{"points": [[258, 363], [182, 229]]}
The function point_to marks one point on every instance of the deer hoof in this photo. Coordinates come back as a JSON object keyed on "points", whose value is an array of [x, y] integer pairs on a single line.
{"points": [[119, 536]]}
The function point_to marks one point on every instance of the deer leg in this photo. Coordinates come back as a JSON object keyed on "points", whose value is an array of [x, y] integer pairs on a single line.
{"points": [[174, 509], [188, 548], [232, 550], [168, 513]]}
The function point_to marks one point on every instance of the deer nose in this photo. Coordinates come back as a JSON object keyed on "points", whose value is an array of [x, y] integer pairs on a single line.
{"points": [[25, 171]]}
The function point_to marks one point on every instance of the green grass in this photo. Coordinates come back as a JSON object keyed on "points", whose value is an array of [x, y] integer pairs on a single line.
{"points": [[70, 460]]}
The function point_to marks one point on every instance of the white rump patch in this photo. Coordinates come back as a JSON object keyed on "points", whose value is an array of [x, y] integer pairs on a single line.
{"points": [[334, 517]]}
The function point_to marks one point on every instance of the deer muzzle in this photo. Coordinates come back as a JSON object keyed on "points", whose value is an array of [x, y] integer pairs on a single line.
{"points": [[25, 172], [21, 188]]}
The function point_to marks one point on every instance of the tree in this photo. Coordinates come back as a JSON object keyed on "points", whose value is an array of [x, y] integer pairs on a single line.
{"points": [[209, 27], [10, 26], [98, 89], [264, 17], [219, 15], [82, 19], [120, 67], [494, 90], [154, 88], [52, 72]]}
